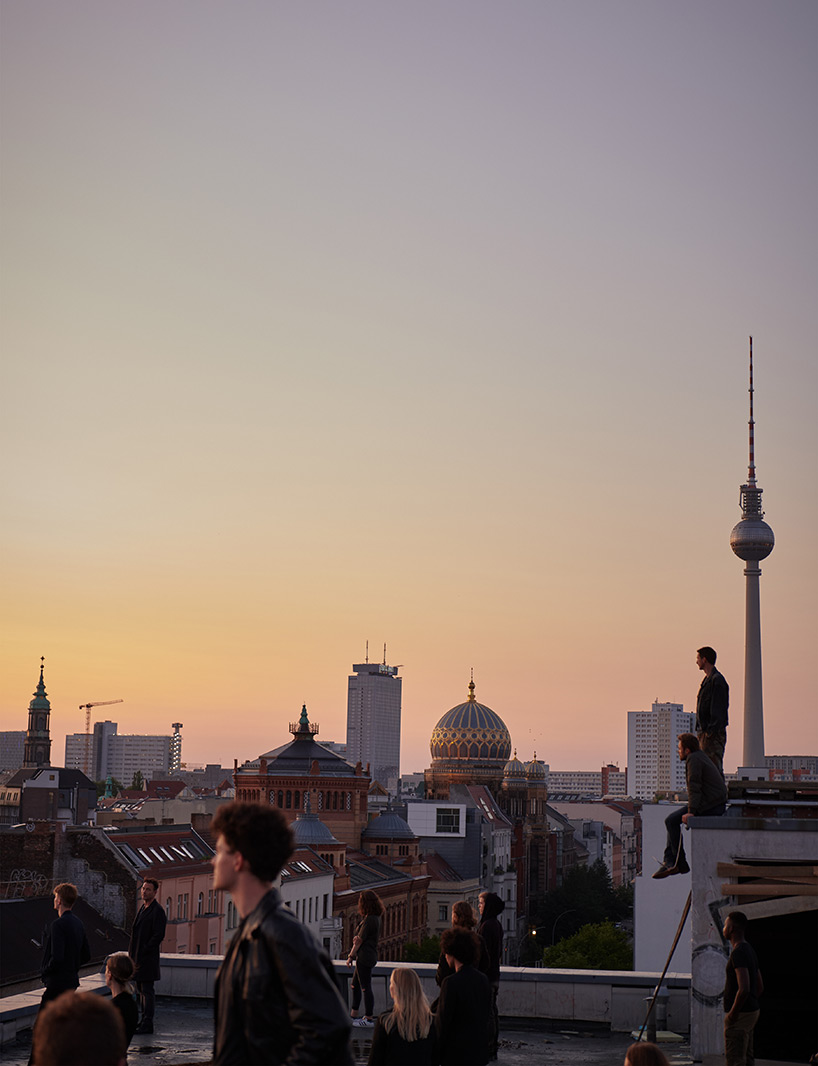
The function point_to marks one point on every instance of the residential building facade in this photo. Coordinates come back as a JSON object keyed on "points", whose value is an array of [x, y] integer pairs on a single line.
{"points": [[654, 765]]}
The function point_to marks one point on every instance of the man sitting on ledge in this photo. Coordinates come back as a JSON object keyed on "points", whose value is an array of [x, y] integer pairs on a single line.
{"points": [[707, 795]]}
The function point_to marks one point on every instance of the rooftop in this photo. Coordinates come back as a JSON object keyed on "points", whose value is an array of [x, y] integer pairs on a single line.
{"points": [[184, 1034]]}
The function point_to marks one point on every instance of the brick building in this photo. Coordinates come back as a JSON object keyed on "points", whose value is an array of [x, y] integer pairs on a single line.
{"points": [[304, 775]]}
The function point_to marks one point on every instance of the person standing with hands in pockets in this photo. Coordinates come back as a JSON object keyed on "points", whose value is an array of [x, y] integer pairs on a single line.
{"points": [[364, 953]]}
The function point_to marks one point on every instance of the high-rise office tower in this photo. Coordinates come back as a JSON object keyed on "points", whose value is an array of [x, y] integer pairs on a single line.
{"points": [[752, 540], [373, 720], [653, 752]]}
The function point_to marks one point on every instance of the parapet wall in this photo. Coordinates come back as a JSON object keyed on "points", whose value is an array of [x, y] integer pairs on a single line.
{"points": [[608, 997]]}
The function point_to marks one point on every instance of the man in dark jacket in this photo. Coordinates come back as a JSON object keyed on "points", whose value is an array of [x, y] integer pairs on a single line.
{"points": [[66, 946], [463, 1013], [711, 708], [491, 931], [146, 938], [706, 795], [276, 1000]]}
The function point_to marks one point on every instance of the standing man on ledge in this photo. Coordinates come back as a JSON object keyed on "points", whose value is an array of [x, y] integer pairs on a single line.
{"points": [[711, 708], [146, 937]]}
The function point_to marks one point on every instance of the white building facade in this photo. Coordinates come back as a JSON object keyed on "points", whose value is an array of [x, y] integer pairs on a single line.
{"points": [[118, 755], [653, 756], [373, 722]]}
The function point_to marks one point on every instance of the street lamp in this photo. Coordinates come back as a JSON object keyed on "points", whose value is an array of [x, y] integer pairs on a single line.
{"points": [[531, 932], [571, 910]]}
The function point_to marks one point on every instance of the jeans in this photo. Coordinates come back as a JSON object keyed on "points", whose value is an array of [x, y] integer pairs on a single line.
{"points": [[674, 849], [713, 744], [362, 982], [494, 1021]]}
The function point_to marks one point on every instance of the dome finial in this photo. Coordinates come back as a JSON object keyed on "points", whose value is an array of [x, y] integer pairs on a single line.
{"points": [[471, 687]]}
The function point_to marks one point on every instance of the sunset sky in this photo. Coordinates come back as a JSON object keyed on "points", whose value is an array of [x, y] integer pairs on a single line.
{"points": [[423, 323]]}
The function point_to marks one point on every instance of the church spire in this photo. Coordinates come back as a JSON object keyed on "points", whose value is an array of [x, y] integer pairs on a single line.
{"points": [[37, 750]]}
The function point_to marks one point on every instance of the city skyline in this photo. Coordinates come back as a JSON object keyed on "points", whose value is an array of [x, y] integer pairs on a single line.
{"points": [[326, 326]]}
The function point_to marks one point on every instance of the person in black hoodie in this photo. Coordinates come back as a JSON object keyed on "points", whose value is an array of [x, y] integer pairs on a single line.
{"points": [[492, 932], [463, 1018]]}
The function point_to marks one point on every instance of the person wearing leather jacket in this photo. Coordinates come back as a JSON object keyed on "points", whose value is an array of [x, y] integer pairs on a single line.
{"points": [[276, 1000]]}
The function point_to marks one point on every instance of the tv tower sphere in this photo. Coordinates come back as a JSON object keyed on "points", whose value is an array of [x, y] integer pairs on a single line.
{"points": [[752, 539]]}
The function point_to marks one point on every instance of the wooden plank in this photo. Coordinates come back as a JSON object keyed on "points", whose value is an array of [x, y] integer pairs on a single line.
{"points": [[740, 869], [772, 908], [769, 890]]}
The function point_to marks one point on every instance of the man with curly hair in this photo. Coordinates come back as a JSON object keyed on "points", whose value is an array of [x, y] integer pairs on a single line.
{"points": [[276, 999]]}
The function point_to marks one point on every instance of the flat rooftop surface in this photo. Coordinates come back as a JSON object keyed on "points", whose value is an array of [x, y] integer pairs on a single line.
{"points": [[184, 1037]]}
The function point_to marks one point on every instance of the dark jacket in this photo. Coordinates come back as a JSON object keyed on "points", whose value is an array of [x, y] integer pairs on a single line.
{"points": [[462, 1019], [125, 1003], [712, 703], [482, 962], [276, 1000], [64, 951], [492, 932], [705, 785], [146, 936], [390, 1049]]}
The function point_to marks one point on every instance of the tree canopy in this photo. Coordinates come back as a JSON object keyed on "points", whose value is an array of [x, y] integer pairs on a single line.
{"points": [[595, 947], [428, 950], [586, 897]]}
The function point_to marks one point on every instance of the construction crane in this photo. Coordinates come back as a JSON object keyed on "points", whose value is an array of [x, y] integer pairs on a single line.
{"points": [[87, 708]]}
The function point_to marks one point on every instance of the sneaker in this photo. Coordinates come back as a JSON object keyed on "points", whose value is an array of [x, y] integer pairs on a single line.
{"points": [[363, 1023]]}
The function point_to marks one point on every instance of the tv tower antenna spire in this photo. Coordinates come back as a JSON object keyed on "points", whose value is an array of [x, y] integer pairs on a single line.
{"points": [[752, 540]]}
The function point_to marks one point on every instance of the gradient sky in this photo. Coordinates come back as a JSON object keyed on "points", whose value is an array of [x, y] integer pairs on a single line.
{"points": [[420, 323]]}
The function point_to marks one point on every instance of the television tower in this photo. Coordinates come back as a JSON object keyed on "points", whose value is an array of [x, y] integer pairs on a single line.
{"points": [[752, 540]]}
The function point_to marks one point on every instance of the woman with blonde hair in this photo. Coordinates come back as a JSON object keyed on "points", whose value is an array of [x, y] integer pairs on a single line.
{"points": [[364, 954], [119, 970], [405, 1035]]}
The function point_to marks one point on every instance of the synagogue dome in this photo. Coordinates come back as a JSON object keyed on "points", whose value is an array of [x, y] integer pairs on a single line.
{"points": [[514, 770], [535, 770], [471, 732]]}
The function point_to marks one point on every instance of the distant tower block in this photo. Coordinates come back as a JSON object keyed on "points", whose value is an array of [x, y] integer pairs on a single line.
{"points": [[176, 748], [752, 540], [373, 720]]}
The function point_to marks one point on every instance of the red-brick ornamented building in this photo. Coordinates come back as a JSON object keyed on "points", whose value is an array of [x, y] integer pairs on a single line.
{"points": [[286, 776], [324, 797]]}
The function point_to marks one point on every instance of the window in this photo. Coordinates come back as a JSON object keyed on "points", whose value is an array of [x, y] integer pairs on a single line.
{"points": [[443, 912], [200, 905], [448, 820], [169, 908]]}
